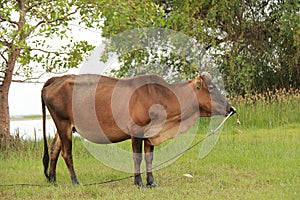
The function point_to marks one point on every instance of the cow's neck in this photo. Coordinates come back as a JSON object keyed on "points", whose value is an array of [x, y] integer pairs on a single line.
{"points": [[178, 120], [189, 109]]}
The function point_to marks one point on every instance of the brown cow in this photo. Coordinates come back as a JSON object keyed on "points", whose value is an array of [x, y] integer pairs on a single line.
{"points": [[108, 110]]}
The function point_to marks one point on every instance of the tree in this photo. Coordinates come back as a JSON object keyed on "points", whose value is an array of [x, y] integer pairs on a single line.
{"points": [[26, 30], [260, 44], [255, 44]]}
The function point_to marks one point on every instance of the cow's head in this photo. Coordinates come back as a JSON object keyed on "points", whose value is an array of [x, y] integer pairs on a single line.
{"points": [[211, 101]]}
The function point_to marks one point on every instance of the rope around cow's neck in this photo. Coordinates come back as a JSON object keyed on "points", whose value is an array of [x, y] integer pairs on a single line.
{"points": [[220, 125]]}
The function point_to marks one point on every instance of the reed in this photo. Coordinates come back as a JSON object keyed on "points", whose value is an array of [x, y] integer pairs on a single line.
{"points": [[269, 110]]}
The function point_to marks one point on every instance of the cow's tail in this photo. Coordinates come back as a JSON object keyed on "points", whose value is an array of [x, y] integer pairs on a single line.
{"points": [[46, 151]]}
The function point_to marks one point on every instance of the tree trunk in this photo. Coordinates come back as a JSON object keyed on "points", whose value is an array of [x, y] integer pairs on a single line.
{"points": [[14, 52], [4, 116], [4, 90]]}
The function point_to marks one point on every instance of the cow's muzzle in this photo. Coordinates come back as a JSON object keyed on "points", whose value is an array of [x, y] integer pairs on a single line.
{"points": [[232, 110]]}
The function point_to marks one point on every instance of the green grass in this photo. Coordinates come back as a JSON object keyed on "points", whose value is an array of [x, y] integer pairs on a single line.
{"points": [[258, 160], [256, 164]]}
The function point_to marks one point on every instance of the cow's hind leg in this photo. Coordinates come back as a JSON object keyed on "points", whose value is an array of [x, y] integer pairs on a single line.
{"points": [[55, 148], [137, 144], [148, 149], [65, 134]]}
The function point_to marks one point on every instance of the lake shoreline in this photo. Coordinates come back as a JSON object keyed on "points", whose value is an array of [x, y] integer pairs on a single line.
{"points": [[27, 117]]}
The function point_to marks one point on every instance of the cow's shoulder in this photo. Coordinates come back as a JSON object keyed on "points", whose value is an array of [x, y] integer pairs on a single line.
{"points": [[152, 79]]}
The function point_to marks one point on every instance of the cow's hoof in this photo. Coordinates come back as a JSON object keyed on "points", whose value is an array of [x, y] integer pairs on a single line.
{"points": [[152, 185], [52, 178], [138, 181], [75, 181], [139, 185]]}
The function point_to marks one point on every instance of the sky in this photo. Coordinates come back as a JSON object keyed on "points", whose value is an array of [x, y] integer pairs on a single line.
{"points": [[25, 99]]}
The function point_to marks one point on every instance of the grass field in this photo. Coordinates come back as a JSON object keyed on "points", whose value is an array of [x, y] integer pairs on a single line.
{"points": [[258, 160]]}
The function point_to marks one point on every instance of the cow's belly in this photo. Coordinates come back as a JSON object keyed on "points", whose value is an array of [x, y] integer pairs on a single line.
{"points": [[102, 137]]}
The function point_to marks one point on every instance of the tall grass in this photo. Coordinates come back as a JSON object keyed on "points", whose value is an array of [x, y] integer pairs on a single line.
{"points": [[272, 109]]}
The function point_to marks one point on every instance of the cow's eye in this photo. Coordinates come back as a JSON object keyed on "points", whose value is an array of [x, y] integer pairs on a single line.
{"points": [[210, 87]]}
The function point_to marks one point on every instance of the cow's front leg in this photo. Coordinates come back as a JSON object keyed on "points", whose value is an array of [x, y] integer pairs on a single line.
{"points": [[148, 148], [137, 144]]}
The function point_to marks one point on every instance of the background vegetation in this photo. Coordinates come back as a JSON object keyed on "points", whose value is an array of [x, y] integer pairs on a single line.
{"points": [[255, 44]]}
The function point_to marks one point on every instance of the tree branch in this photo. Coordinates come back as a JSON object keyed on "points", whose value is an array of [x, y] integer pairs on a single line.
{"points": [[17, 71], [36, 79], [5, 43], [3, 19], [44, 51], [29, 79], [4, 58], [33, 5], [217, 41], [56, 20]]}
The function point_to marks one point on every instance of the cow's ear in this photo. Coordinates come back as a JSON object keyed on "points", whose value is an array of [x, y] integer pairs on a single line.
{"points": [[198, 84]]}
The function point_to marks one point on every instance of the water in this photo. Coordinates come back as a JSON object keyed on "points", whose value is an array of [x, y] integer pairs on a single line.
{"points": [[27, 128]]}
